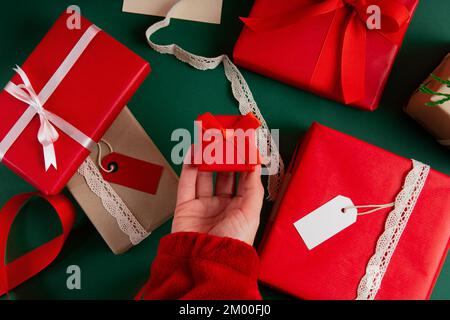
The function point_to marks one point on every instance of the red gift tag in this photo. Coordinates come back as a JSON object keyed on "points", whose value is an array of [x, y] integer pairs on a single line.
{"points": [[131, 172]]}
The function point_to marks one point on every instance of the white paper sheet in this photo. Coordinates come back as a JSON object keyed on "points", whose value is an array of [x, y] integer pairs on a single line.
{"points": [[209, 11]]}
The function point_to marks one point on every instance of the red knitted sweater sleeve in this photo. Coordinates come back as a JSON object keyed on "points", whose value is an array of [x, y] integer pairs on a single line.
{"points": [[192, 265]]}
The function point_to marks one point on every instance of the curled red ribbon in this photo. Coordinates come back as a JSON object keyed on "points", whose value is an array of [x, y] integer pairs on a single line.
{"points": [[350, 20], [31, 263]]}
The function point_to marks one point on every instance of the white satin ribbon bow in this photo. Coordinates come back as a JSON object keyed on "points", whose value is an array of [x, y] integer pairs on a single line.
{"points": [[47, 134]]}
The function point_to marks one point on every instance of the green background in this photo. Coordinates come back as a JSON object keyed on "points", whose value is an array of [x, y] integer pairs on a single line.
{"points": [[173, 96]]}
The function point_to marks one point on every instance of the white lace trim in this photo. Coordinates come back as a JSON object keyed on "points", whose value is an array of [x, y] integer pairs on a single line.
{"points": [[112, 202], [240, 90], [394, 226]]}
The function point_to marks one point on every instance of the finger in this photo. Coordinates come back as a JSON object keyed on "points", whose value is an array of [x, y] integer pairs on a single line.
{"points": [[204, 186], [241, 186], [225, 184], [252, 192], [249, 181], [186, 185]]}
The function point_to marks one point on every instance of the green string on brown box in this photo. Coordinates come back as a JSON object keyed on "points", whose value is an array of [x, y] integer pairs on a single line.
{"points": [[425, 89]]}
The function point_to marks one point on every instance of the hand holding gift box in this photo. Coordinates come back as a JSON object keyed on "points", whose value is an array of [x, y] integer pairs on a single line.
{"points": [[395, 252], [62, 100], [430, 105], [326, 46], [240, 90]]}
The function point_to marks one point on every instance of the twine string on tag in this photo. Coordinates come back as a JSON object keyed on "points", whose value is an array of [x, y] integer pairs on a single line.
{"points": [[99, 156], [375, 208]]}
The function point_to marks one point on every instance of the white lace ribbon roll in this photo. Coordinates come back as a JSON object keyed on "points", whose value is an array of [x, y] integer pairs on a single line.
{"points": [[112, 202], [395, 225], [25, 92], [240, 90]]}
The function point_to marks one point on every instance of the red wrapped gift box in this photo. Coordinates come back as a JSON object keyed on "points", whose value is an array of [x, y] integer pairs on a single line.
{"points": [[243, 157], [94, 89], [327, 164], [325, 46]]}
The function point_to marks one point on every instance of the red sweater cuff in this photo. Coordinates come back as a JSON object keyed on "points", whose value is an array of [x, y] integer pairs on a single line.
{"points": [[233, 253]]}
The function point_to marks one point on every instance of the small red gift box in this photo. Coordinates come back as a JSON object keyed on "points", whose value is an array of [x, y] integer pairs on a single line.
{"points": [[63, 99], [334, 48], [363, 260], [226, 143]]}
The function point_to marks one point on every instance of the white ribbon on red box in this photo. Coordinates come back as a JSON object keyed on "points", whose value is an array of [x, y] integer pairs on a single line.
{"points": [[47, 134]]}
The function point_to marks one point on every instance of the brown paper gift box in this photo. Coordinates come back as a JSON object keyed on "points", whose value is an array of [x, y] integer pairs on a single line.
{"points": [[436, 119], [127, 137]]}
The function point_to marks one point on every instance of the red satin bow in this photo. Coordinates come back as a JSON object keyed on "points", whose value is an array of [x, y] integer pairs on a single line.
{"points": [[28, 265], [350, 19]]}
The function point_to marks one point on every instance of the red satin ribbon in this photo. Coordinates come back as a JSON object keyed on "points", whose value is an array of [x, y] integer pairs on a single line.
{"points": [[28, 265], [349, 20]]}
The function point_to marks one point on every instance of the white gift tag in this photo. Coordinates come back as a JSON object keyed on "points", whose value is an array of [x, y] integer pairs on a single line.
{"points": [[326, 221]]}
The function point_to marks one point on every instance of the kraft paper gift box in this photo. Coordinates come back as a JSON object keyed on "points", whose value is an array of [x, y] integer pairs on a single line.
{"points": [[430, 107], [357, 261], [326, 46], [224, 149], [62, 100], [125, 224]]}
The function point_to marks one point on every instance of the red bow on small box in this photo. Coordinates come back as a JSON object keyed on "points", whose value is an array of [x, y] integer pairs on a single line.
{"points": [[229, 140], [344, 47]]}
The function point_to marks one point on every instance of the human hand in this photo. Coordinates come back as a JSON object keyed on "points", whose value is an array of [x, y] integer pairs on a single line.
{"points": [[221, 211]]}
